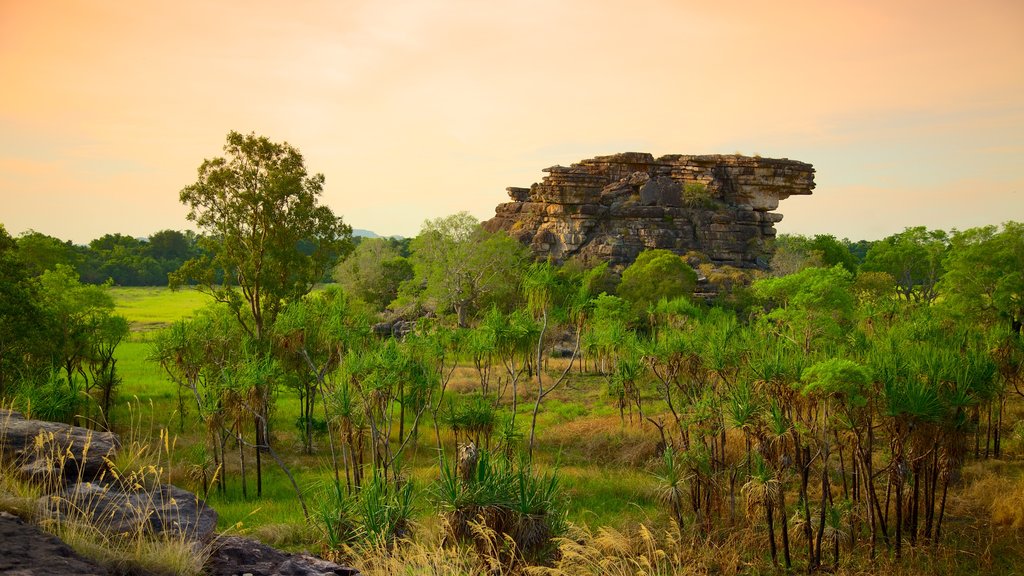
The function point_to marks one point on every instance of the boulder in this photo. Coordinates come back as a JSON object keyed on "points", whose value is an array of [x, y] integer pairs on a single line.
{"points": [[38, 449], [234, 556], [116, 508], [25, 550]]}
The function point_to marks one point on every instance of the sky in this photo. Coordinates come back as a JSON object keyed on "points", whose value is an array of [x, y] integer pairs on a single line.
{"points": [[912, 112]]}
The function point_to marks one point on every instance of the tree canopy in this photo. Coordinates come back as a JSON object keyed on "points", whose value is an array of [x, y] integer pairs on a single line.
{"points": [[657, 274], [268, 240]]}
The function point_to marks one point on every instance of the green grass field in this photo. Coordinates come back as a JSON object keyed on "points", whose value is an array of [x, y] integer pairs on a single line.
{"points": [[153, 308]]}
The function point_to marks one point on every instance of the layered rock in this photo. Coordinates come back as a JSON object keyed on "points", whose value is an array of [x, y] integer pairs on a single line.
{"points": [[614, 207]]}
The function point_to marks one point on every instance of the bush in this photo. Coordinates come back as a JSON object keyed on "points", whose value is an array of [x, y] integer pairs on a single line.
{"points": [[506, 510], [52, 400]]}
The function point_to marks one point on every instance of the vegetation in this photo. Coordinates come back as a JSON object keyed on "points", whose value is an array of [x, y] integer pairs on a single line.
{"points": [[855, 409]]}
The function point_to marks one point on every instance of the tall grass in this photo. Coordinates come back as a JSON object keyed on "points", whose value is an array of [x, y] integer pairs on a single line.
{"points": [[73, 515]]}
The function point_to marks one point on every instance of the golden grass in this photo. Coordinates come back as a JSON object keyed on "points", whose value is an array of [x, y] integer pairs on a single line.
{"points": [[605, 439]]}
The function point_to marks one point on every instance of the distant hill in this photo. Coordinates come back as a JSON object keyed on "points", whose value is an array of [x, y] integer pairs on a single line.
{"points": [[359, 232]]}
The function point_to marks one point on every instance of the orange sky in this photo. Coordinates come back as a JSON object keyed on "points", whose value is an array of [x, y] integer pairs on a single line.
{"points": [[912, 112]]}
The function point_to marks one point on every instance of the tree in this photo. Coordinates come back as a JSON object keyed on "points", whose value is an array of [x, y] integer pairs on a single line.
{"points": [[813, 306], [914, 258], [40, 252], [170, 245], [985, 277], [657, 274], [794, 252], [463, 268], [374, 272], [20, 315], [259, 207]]}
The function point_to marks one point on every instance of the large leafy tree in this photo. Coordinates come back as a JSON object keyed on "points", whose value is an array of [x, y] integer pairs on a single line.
{"points": [[267, 239], [40, 252], [463, 268], [374, 272], [985, 277], [914, 258], [812, 307], [657, 274]]}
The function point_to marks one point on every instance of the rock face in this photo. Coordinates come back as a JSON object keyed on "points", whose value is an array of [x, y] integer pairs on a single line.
{"points": [[614, 207], [84, 487], [117, 509]]}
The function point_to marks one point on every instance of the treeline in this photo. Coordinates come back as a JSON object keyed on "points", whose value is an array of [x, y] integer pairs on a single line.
{"points": [[117, 258]]}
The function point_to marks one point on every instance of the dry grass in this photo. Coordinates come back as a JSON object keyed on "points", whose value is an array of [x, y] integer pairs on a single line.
{"points": [[133, 552], [995, 489], [604, 439]]}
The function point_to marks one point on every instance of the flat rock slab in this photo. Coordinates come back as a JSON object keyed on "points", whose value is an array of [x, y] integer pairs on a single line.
{"points": [[36, 461], [237, 556], [25, 550]]}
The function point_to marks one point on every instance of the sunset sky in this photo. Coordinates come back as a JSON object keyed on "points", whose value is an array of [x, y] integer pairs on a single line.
{"points": [[911, 112]]}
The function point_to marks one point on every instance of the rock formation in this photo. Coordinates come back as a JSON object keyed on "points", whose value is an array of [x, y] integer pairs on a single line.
{"points": [[614, 207]]}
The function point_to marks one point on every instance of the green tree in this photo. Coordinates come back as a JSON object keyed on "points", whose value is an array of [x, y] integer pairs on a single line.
{"points": [[21, 343], [914, 258], [76, 311], [794, 252], [374, 272], [40, 252], [259, 207], [985, 278], [812, 307], [464, 269], [656, 274]]}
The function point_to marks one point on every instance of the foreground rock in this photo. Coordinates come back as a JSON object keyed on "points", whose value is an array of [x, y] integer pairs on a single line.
{"points": [[26, 550], [43, 461], [235, 556], [165, 509], [614, 207], [84, 488]]}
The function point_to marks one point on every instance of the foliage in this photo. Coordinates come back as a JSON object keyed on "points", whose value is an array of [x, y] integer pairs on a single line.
{"points": [[269, 241], [985, 278], [811, 306], [23, 345], [374, 272], [508, 499], [656, 274], [794, 252], [39, 252], [914, 258], [461, 268]]}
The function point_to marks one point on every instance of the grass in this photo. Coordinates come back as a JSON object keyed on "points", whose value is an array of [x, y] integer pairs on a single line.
{"points": [[149, 308]]}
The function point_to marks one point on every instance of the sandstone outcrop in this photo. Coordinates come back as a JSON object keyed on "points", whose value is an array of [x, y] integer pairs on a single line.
{"points": [[614, 207]]}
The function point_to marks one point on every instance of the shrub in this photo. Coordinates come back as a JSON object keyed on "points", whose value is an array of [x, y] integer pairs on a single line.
{"points": [[507, 511]]}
